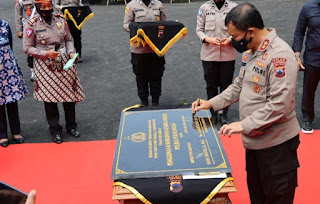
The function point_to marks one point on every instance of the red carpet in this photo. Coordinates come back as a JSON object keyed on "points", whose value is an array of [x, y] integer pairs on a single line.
{"points": [[79, 172]]}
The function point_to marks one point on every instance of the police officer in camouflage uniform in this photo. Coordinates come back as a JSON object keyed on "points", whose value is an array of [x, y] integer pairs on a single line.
{"points": [[265, 89], [217, 54], [23, 11], [147, 66], [75, 32]]}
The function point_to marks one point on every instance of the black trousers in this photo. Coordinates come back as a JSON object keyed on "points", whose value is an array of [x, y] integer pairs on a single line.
{"points": [[218, 75], [76, 35], [310, 82], [30, 61], [272, 173], [148, 69], [52, 114], [13, 116]]}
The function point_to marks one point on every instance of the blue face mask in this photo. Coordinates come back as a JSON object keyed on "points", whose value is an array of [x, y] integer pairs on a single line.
{"points": [[242, 44]]}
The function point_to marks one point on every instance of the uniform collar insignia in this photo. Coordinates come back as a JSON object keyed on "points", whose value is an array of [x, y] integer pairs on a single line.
{"points": [[264, 45]]}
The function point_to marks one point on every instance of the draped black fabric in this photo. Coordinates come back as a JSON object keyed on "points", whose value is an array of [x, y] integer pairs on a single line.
{"points": [[78, 14], [158, 191], [160, 36]]}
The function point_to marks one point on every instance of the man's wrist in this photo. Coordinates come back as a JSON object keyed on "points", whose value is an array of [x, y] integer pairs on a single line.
{"points": [[297, 56]]}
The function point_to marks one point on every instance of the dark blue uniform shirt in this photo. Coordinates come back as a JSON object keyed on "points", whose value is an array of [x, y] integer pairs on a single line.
{"points": [[309, 19]]}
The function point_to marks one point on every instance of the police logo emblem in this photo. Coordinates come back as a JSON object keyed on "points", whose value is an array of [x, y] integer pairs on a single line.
{"points": [[175, 184], [200, 12], [279, 66]]}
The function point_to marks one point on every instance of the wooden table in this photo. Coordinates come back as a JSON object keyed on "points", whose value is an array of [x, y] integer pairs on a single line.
{"points": [[126, 197]]}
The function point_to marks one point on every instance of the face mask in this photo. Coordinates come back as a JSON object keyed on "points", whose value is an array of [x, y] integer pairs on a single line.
{"points": [[45, 14], [241, 45]]}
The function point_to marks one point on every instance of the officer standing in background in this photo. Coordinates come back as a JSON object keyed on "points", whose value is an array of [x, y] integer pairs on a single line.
{"points": [[217, 54], [23, 11], [75, 32], [265, 89], [147, 66], [309, 20], [48, 39]]}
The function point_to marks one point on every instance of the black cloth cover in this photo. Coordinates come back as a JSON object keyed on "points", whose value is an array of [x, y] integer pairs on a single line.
{"points": [[160, 36], [78, 14]]}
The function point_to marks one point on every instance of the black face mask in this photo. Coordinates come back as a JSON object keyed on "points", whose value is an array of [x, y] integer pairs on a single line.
{"points": [[45, 14], [242, 44]]}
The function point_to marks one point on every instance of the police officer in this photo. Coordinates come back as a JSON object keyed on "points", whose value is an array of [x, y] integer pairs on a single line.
{"points": [[48, 39], [265, 89], [24, 9], [217, 54], [147, 66], [75, 32]]}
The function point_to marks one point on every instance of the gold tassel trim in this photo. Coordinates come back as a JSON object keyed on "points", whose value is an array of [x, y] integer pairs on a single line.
{"points": [[134, 191], [67, 14]]}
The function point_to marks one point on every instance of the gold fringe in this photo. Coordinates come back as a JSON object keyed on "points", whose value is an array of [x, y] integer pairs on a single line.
{"points": [[215, 190], [134, 191], [135, 106], [182, 34], [68, 14]]}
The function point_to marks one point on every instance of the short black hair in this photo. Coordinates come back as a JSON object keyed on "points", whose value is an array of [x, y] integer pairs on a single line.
{"points": [[244, 16]]}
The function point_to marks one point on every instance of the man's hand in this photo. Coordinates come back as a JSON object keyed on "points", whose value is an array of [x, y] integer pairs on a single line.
{"points": [[52, 54], [229, 129], [213, 41], [19, 34], [204, 104], [225, 41], [31, 197], [300, 63]]}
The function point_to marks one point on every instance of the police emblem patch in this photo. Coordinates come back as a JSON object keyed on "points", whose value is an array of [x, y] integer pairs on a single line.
{"points": [[29, 32], [264, 45], [256, 88], [279, 67], [175, 184], [160, 31], [200, 12]]}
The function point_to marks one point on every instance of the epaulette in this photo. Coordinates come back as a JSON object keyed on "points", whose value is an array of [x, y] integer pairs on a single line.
{"points": [[32, 20]]}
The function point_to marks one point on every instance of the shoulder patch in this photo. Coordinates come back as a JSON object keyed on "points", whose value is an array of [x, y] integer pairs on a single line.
{"points": [[200, 12], [32, 20], [29, 32], [279, 66]]}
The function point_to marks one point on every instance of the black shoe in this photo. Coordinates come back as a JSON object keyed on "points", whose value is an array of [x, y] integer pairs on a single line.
{"points": [[223, 119], [155, 101], [4, 143], [74, 133], [57, 138], [307, 127], [19, 140], [144, 102]]}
